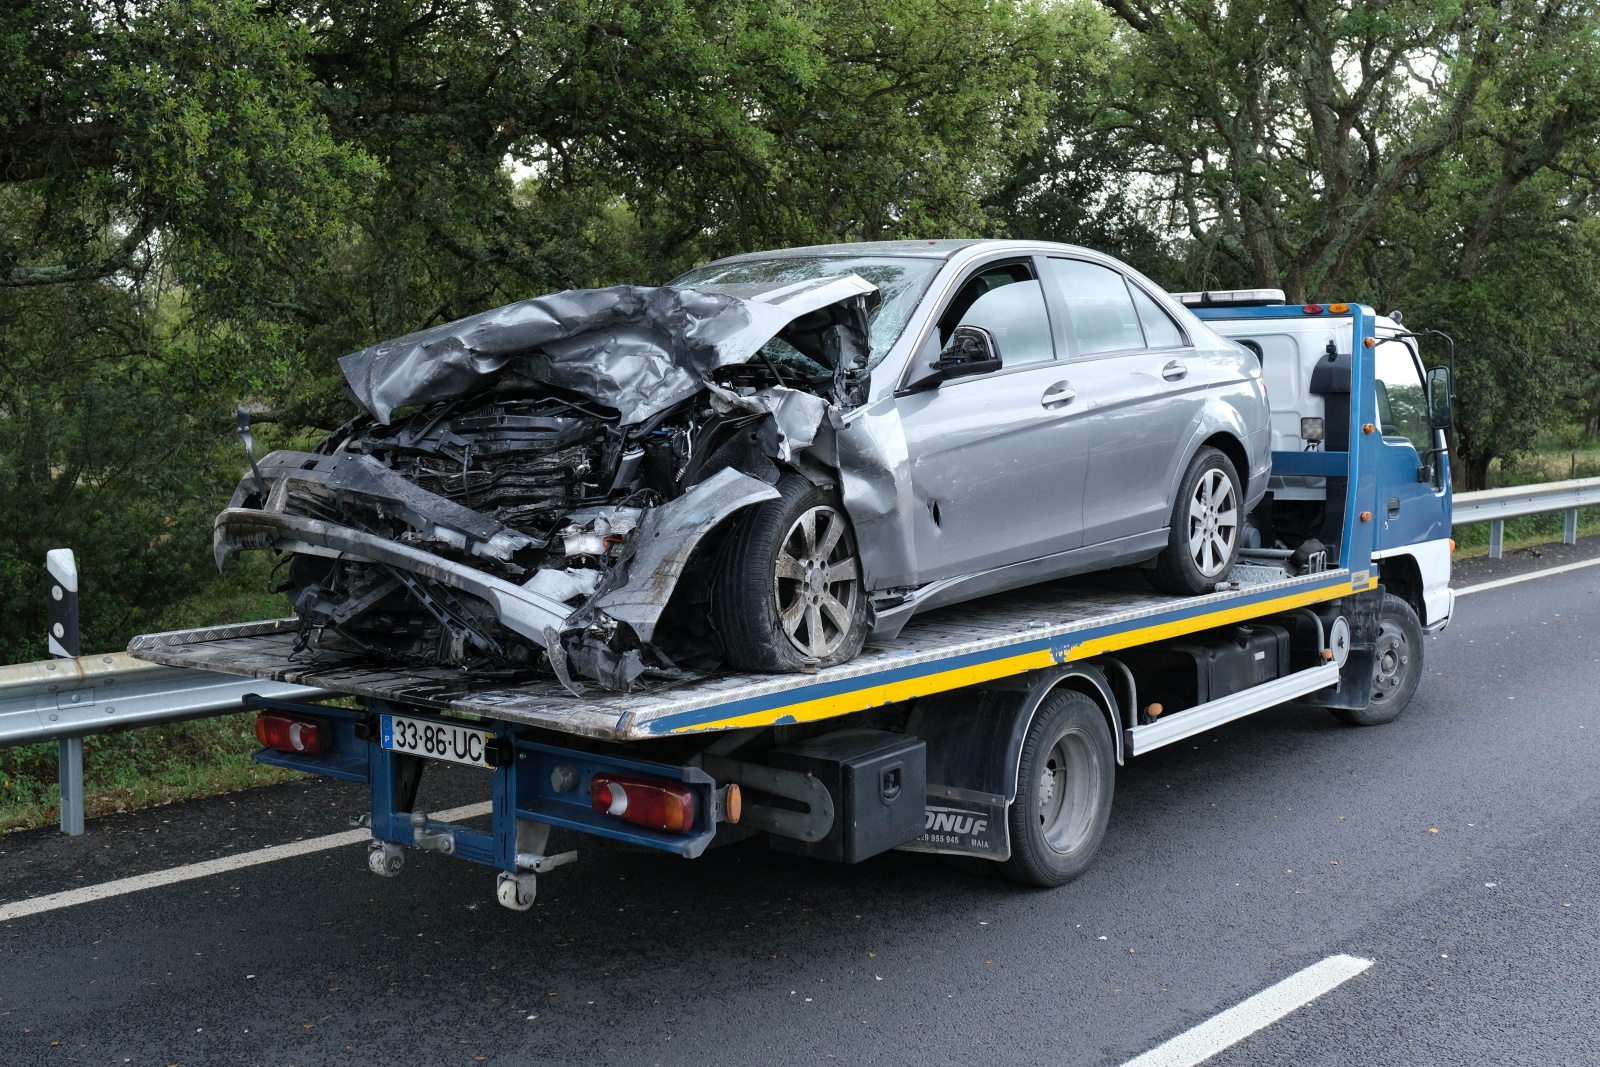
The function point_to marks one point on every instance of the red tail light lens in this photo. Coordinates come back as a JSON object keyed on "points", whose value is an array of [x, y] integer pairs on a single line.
{"points": [[290, 733], [644, 802], [1312, 309]]}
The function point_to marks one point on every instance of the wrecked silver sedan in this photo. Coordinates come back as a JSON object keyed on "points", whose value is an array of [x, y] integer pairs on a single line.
{"points": [[762, 463]]}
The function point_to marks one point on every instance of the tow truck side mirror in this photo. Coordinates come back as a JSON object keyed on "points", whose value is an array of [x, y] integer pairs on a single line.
{"points": [[1440, 415]]}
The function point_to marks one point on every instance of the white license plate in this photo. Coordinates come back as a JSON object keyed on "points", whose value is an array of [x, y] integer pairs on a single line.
{"points": [[436, 740]]}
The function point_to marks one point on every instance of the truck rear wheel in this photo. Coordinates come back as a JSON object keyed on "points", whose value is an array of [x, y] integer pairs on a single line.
{"points": [[1396, 666], [1065, 778]]}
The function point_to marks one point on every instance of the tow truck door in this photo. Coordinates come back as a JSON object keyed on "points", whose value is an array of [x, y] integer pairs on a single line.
{"points": [[1413, 499]]}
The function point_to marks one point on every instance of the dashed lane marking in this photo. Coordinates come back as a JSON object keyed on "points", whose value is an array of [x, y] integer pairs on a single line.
{"points": [[154, 880], [1245, 1018]]}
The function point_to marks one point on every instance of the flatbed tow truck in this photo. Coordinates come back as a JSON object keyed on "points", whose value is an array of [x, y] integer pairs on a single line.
{"points": [[990, 730]]}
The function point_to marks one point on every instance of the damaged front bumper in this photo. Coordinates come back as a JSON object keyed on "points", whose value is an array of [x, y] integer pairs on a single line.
{"points": [[633, 592]]}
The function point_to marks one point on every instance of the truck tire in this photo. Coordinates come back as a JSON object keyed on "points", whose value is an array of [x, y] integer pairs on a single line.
{"points": [[1065, 778], [1207, 521], [790, 596], [1396, 666]]}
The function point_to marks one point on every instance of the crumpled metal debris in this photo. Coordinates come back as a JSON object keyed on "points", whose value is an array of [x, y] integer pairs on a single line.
{"points": [[637, 349]]}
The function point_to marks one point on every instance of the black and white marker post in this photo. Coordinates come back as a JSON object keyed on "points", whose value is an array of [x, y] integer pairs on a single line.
{"points": [[63, 568]]}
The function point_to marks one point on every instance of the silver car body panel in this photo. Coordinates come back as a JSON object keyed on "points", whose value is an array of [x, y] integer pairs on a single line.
{"points": [[1158, 428]]}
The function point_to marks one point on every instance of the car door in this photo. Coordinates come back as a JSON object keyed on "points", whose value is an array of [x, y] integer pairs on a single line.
{"points": [[1142, 388], [996, 460]]}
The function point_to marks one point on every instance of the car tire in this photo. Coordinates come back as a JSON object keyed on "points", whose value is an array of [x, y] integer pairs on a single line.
{"points": [[1066, 775], [1207, 523], [1396, 666], [790, 596]]}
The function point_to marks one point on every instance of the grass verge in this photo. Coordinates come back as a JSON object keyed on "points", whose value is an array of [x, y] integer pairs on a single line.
{"points": [[156, 764], [136, 769]]}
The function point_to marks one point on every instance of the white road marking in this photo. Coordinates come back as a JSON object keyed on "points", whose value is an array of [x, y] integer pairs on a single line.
{"points": [[1245, 1018], [1483, 587], [205, 869]]}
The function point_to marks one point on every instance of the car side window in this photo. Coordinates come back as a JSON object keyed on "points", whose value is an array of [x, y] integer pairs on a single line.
{"points": [[1015, 314], [1159, 329], [1402, 401], [1098, 303]]}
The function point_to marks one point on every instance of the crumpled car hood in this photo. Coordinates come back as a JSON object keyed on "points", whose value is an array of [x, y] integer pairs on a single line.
{"points": [[637, 349]]}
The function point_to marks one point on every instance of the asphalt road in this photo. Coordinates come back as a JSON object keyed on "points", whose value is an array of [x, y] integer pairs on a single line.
{"points": [[1458, 849]]}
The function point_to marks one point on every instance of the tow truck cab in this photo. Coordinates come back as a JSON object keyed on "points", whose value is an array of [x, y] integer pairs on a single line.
{"points": [[1305, 360]]}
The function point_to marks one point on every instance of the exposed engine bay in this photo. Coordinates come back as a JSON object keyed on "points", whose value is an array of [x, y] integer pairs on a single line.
{"points": [[541, 487]]}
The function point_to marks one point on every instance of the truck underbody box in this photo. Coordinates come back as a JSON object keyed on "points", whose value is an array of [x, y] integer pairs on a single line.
{"points": [[1187, 672], [878, 781]]}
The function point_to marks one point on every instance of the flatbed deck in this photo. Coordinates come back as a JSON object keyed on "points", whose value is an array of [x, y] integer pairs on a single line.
{"points": [[967, 644]]}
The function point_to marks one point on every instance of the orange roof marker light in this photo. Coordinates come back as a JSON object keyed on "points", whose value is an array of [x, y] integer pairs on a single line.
{"points": [[1338, 309], [1312, 309]]}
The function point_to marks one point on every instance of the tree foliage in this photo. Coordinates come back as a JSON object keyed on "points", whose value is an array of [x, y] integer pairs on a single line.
{"points": [[207, 202]]}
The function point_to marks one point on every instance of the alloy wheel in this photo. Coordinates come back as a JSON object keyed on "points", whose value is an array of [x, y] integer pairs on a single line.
{"points": [[817, 582], [1213, 523]]}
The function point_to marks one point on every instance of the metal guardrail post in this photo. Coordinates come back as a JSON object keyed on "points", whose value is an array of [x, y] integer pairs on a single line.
{"points": [[1569, 527], [1497, 537], [62, 567], [70, 775]]}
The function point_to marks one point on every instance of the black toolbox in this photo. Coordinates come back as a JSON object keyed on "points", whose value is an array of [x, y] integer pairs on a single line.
{"points": [[878, 781]]}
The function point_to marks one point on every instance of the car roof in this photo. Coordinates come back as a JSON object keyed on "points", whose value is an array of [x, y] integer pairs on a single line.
{"points": [[934, 249]]}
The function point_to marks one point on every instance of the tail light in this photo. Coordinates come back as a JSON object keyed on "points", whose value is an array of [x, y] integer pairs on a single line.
{"points": [[659, 805], [289, 733]]}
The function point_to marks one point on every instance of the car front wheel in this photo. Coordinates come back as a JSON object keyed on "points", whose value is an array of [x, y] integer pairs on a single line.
{"points": [[790, 596]]}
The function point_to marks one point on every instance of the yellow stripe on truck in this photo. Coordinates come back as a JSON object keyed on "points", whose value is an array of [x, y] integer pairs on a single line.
{"points": [[925, 685]]}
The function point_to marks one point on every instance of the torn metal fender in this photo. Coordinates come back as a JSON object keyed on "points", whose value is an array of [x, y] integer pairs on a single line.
{"points": [[522, 610], [667, 538], [875, 471]]}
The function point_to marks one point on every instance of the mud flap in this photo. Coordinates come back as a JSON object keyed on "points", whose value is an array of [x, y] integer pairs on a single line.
{"points": [[1354, 691], [969, 735]]}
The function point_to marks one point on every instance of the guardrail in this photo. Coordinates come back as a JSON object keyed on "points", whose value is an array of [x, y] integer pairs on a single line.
{"points": [[68, 699], [1495, 506]]}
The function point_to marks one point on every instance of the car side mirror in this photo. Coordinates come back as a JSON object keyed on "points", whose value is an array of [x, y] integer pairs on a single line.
{"points": [[1440, 413], [971, 350]]}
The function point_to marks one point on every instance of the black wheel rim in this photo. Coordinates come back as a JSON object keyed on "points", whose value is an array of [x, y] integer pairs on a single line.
{"points": [[817, 582], [1391, 662]]}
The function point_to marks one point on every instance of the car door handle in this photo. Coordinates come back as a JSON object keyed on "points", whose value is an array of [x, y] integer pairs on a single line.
{"points": [[1058, 395], [1174, 371]]}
